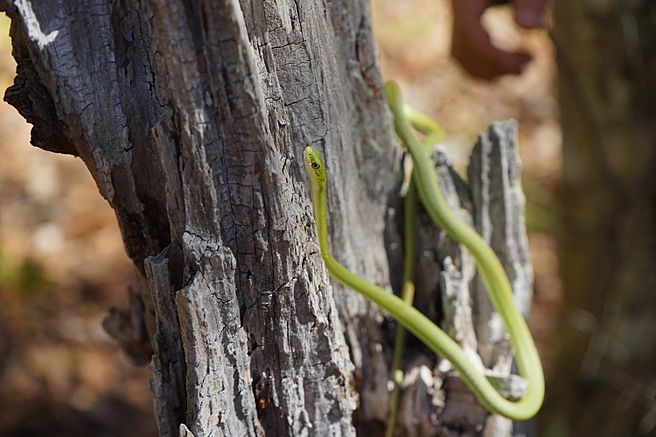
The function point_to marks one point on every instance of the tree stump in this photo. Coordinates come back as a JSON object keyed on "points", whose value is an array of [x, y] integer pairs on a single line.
{"points": [[192, 118]]}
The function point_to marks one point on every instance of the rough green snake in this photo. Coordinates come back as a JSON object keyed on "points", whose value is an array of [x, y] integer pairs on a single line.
{"points": [[492, 272], [433, 135]]}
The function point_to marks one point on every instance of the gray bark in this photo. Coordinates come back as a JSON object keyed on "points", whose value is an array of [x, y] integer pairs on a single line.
{"points": [[436, 401], [192, 118]]}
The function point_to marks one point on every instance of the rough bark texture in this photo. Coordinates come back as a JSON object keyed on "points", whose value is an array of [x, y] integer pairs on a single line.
{"points": [[607, 63], [192, 118], [435, 401]]}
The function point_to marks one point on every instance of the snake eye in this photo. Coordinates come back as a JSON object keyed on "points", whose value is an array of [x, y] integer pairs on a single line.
{"points": [[315, 165]]}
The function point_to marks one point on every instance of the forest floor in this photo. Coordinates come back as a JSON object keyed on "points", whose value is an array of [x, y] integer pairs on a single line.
{"points": [[62, 263]]}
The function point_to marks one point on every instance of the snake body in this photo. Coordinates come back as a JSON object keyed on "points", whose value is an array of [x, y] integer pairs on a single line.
{"points": [[407, 294], [491, 270]]}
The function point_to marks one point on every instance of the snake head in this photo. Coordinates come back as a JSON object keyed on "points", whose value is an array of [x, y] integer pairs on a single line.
{"points": [[315, 164]]}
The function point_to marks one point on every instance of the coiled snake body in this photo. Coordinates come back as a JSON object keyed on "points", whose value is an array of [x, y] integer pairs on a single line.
{"points": [[494, 277]]}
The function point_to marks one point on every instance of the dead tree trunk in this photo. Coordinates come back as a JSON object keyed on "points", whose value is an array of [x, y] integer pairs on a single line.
{"points": [[191, 117]]}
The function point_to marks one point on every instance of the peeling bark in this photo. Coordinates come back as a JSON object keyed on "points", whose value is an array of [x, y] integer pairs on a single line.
{"points": [[494, 204]]}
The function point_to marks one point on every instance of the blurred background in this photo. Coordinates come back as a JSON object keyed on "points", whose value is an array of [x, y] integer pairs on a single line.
{"points": [[62, 263]]}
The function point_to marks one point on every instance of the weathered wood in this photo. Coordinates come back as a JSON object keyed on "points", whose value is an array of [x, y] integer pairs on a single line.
{"points": [[495, 199], [192, 118]]}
